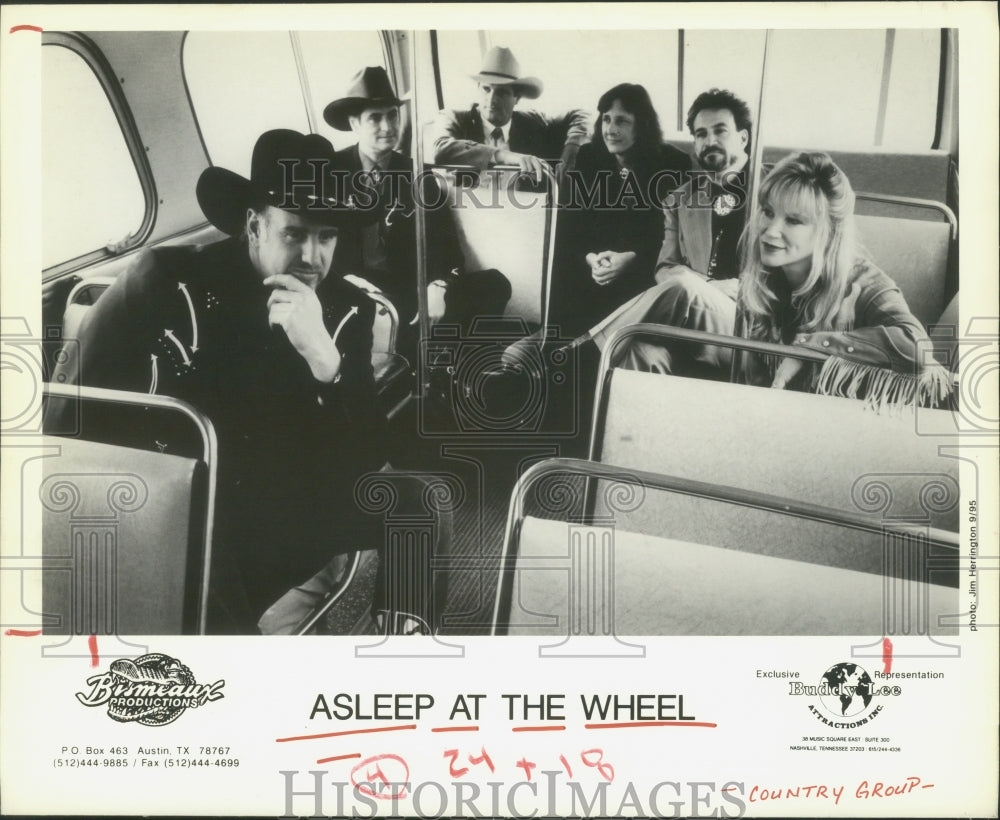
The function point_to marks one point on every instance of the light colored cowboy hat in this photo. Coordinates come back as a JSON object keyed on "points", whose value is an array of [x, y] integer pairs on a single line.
{"points": [[369, 88], [500, 67], [224, 195]]}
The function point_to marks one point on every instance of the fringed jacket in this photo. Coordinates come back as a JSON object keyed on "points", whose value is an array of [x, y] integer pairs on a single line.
{"points": [[874, 352]]}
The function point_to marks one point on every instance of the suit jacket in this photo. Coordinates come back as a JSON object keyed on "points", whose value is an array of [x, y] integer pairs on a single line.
{"points": [[392, 209], [192, 323], [456, 137], [687, 233]]}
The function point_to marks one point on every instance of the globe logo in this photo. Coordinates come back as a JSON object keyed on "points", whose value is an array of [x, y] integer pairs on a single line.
{"points": [[845, 690]]}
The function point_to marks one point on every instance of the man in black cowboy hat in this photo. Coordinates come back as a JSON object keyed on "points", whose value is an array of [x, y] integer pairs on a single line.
{"points": [[254, 332], [493, 133], [384, 251]]}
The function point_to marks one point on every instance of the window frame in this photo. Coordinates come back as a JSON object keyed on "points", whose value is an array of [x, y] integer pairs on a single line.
{"points": [[83, 46], [384, 39]]}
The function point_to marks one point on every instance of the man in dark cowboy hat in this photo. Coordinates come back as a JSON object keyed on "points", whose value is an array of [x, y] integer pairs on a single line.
{"points": [[254, 332], [384, 252], [492, 132]]}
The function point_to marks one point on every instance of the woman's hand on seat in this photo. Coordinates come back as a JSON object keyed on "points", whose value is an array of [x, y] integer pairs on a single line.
{"points": [[607, 266]]}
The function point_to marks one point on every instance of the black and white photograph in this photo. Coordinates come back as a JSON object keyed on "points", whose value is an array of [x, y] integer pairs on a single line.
{"points": [[522, 380]]}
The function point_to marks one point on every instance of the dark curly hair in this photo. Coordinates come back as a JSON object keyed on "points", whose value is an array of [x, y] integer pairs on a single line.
{"points": [[716, 99]]}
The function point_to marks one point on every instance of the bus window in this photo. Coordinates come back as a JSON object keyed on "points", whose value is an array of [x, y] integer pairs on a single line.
{"points": [[576, 67], [330, 60], [91, 193], [913, 86], [242, 84], [825, 89], [719, 59], [459, 55]]}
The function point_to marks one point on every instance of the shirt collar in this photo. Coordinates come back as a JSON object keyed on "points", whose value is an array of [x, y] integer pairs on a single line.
{"points": [[367, 163], [489, 128]]}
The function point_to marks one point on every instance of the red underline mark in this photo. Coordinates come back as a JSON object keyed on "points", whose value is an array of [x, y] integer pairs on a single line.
{"points": [[23, 633], [538, 729], [730, 789], [641, 723], [92, 643], [348, 732], [25, 28], [455, 729], [338, 757], [886, 656], [928, 786]]}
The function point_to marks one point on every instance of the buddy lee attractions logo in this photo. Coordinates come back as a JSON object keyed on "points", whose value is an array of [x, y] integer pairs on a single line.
{"points": [[153, 690], [845, 693]]}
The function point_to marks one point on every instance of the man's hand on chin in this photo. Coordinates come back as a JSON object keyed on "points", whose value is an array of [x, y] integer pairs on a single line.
{"points": [[294, 307]]}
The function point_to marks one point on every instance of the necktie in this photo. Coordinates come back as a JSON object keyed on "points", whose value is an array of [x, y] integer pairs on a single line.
{"points": [[497, 137]]}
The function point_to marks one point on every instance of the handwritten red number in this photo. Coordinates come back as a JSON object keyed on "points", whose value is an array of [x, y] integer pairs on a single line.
{"points": [[485, 758], [595, 759], [452, 769], [527, 766], [393, 785]]}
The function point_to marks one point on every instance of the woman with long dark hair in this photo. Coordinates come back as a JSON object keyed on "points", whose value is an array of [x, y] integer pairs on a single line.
{"points": [[611, 222]]}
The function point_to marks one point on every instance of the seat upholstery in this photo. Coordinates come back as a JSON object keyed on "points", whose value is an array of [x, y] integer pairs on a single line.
{"points": [[506, 229], [918, 174], [915, 255], [660, 587], [815, 449], [122, 539], [798, 445]]}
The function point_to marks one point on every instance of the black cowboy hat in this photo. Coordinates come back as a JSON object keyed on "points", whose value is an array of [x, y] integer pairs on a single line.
{"points": [[370, 87], [282, 159]]}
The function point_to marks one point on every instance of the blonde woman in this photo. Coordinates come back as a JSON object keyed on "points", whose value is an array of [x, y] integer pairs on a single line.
{"points": [[806, 282]]}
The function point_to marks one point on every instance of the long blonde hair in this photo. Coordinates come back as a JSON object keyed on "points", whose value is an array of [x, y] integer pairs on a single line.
{"points": [[809, 183]]}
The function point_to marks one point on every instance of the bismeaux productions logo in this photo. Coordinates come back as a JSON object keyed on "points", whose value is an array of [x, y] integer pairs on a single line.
{"points": [[153, 690], [845, 696]]}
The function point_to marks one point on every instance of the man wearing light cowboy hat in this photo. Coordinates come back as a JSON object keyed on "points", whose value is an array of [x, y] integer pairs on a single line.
{"points": [[493, 133], [384, 252], [254, 332]]}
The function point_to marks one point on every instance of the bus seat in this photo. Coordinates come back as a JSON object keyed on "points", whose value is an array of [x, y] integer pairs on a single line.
{"points": [[386, 325], [818, 449], [150, 554], [83, 296], [392, 370], [945, 333], [915, 255], [126, 532], [567, 574], [500, 226], [661, 586], [917, 174]]}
